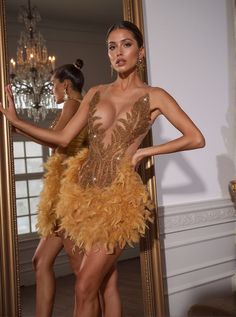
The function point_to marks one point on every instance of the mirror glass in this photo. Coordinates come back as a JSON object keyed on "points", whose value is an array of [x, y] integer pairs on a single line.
{"points": [[72, 29]]}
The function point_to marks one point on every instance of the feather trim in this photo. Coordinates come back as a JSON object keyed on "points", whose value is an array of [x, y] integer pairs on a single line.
{"points": [[49, 196], [105, 217]]}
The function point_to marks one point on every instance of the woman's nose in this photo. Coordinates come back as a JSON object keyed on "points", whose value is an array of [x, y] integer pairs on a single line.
{"points": [[119, 51]]}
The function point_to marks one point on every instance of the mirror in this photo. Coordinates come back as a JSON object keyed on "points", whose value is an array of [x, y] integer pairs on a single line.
{"points": [[66, 50]]}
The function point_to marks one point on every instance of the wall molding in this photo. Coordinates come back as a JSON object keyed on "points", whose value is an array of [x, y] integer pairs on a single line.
{"points": [[198, 283], [203, 238], [189, 216], [198, 267], [176, 223]]}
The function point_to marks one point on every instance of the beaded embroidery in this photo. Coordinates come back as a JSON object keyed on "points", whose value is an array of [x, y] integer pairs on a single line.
{"points": [[100, 167]]}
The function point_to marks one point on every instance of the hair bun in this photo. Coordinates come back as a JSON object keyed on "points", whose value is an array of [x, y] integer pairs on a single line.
{"points": [[79, 63]]}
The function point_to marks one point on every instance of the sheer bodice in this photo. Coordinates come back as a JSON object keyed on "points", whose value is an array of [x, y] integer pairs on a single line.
{"points": [[107, 147]]}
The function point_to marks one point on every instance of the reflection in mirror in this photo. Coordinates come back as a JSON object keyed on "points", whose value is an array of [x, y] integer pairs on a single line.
{"points": [[72, 30]]}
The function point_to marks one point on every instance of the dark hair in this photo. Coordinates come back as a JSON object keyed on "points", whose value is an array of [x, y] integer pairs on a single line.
{"points": [[73, 73], [130, 27]]}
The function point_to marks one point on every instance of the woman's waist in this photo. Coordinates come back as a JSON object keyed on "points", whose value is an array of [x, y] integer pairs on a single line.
{"points": [[112, 151], [71, 150], [101, 172], [118, 154]]}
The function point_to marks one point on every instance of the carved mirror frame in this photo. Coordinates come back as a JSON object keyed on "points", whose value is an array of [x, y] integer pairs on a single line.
{"points": [[150, 251]]}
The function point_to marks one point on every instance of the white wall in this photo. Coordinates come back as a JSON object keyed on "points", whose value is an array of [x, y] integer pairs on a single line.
{"points": [[190, 53]]}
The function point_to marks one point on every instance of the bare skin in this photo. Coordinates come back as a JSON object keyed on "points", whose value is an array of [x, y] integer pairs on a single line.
{"points": [[110, 295], [116, 99], [90, 278], [43, 260], [107, 295]]}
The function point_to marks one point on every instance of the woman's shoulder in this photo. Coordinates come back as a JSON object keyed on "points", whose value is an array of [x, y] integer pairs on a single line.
{"points": [[97, 89], [93, 94], [158, 94], [156, 91], [158, 97]]}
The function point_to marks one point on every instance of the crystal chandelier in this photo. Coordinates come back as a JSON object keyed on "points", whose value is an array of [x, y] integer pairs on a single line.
{"points": [[30, 73]]}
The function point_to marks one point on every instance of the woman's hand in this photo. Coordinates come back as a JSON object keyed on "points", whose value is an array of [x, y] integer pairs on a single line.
{"points": [[10, 110], [137, 158]]}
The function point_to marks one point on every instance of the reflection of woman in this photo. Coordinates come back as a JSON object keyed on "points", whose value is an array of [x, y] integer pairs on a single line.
{"points": [[109, 205], [67, 82]]}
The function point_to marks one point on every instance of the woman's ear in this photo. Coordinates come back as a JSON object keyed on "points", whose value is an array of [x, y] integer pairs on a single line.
{"points": [[141, 52], [66, 83]]}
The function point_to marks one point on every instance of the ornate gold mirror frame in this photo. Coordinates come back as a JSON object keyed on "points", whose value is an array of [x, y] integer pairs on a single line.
{"points": [[150, 253]]}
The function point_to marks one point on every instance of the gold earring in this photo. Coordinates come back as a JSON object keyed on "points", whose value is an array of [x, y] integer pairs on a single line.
{"points": [[140, 64], [66, 96]]}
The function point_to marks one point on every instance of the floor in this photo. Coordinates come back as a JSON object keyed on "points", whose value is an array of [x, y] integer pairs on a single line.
{"points": [[129, 285]]}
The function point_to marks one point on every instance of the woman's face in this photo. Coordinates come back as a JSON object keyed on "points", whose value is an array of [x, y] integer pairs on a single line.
{"points": [[123, 50], [58, 90]]}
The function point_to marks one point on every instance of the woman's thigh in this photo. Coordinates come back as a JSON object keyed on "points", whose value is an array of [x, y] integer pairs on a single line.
{"points": [[97, 265], [74, 254]]}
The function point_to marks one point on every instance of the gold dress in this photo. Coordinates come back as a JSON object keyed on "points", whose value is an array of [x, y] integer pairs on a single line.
{"points": [[56, 166], [103, 203]]}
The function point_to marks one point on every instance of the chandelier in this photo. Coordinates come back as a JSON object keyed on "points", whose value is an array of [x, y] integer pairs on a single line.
{"points": [[31, 72]]}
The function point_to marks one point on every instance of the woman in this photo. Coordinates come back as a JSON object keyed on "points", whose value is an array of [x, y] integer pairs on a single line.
{"points": [[68, 81], [111, 206]]}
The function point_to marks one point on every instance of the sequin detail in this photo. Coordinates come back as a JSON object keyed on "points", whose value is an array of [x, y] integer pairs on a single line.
{"points": [[80, 141], [100, 168]]}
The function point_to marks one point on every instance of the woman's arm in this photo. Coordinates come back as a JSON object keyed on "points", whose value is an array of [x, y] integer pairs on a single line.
{"points": [[68, 111], [191, 138], [59, 137], [33, 139]]}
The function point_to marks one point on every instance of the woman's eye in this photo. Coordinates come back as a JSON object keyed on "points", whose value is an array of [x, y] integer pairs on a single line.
{"points": [[127, 44], [111, 47]]}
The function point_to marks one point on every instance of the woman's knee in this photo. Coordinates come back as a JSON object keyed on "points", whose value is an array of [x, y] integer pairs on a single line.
{"points": [[40, 263], [35, 262], [86, 288], [46, 253]]}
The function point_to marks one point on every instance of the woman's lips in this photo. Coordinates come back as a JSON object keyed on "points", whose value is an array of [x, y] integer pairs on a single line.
{"points": [[120, 62]]}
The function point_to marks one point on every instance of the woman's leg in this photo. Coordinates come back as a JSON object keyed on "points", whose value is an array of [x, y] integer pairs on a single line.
{"points": [[43, 259], [110, 295], [75, 258], [94, 269], [109, 298]]}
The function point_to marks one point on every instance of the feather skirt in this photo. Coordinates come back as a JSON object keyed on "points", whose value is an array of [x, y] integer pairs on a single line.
{"points": [[47, 221], [103, 218]]}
